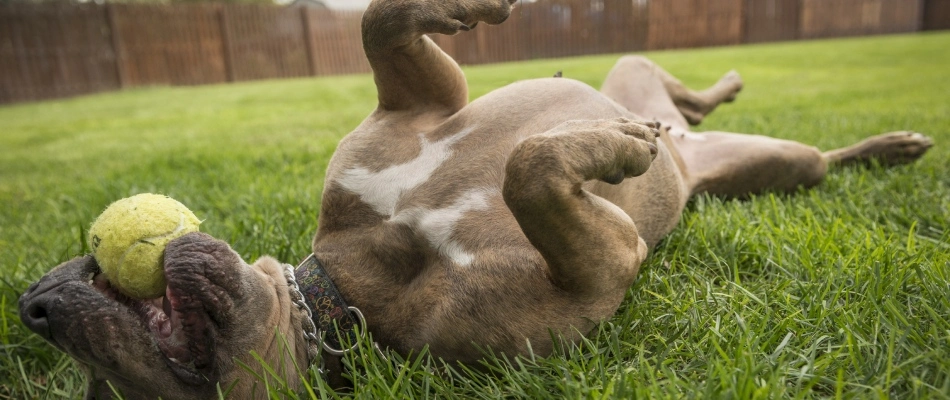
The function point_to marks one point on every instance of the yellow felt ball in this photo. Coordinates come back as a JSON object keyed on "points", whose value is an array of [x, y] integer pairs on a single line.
{"points": [[128, 241]]}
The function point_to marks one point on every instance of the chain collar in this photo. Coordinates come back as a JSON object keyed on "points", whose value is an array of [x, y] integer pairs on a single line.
{"points": [[328, 318], [306, 325], [315, 338]]}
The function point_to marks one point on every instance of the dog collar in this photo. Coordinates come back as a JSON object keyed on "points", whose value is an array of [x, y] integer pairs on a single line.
{"points": [[329, 320]]}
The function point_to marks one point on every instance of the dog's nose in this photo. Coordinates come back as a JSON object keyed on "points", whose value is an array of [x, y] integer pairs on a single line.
{"points": [[35, 305], [34, 317], [46, 295], [33, 313]]}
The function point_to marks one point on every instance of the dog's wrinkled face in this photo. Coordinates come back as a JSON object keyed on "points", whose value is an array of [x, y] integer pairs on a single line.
{"points": [[179, 346]]}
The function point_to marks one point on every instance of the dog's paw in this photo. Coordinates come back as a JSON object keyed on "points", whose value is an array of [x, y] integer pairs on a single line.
{"points": [[640, 146], [895, 148], [452, 17], [603, 149], [731, 84], [647, 131]]}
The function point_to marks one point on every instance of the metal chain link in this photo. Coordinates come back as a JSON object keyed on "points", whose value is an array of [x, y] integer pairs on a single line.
{"points": [[307, 325]]}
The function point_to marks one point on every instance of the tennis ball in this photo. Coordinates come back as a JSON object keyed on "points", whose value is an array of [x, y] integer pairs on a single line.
{"points": [[128, 241]]}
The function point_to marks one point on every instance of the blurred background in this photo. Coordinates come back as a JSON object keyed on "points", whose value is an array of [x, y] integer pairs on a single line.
{"points": [[61, 48]]}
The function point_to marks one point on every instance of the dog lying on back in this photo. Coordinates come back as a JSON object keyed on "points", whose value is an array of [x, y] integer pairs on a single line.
{"points": [[451, 225]]}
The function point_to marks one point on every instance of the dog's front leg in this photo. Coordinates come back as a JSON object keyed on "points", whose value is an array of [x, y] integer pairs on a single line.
{"points": [[591, 246], [411, 72]]}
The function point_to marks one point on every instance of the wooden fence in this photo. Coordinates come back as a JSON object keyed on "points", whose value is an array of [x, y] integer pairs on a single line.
{"points": [[49, 51]]}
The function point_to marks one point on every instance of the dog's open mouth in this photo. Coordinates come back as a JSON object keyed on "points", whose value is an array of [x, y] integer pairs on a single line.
{"points": [[178, 324]]}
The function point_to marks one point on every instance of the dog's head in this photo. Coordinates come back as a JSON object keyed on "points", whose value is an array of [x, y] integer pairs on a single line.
{"points": [[188, 344]]}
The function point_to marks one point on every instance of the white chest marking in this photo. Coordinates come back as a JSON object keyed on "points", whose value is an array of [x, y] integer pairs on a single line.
{"points": [[383, 189], [438, 225], [684, 134]]}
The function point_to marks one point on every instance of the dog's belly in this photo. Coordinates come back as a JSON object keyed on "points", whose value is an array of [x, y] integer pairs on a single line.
{"points": [[406, 207], [438, 179]]}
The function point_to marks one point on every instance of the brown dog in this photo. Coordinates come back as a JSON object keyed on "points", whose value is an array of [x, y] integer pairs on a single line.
{"points": [[448, 224]]}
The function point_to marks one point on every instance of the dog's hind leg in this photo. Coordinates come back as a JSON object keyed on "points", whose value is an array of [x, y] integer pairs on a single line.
{"points": [[736, 165], [888, 149], [412, 74], [648, 90], [591, 246], [732, 164]]}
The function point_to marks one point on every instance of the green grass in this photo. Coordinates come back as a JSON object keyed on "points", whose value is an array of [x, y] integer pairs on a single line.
{"points": [[840, 291]]}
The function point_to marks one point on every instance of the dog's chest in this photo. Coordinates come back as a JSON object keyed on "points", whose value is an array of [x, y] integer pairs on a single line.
{"points": [[441, 186], [387, 184]]}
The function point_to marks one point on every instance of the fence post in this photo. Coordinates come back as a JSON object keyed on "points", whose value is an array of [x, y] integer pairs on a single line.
{"points": [[116, 46], [802, 5], [308, 40], [743, 22], [226, 44]]}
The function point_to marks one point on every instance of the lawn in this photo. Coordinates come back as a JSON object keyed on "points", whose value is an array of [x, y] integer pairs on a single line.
{"points": [[839, 291]]}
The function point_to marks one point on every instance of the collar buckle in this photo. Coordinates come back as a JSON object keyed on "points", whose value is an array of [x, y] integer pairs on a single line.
{"points": [[362, 334]]}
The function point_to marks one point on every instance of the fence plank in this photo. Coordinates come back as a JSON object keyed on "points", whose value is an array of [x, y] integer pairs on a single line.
{"points": [[267, 42], [172, 45], [694, 23], [822, 18], [900, 16], [338, 46], [48, 52], [936, 15], [771, 20], [308, 40], [227, 52]]}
